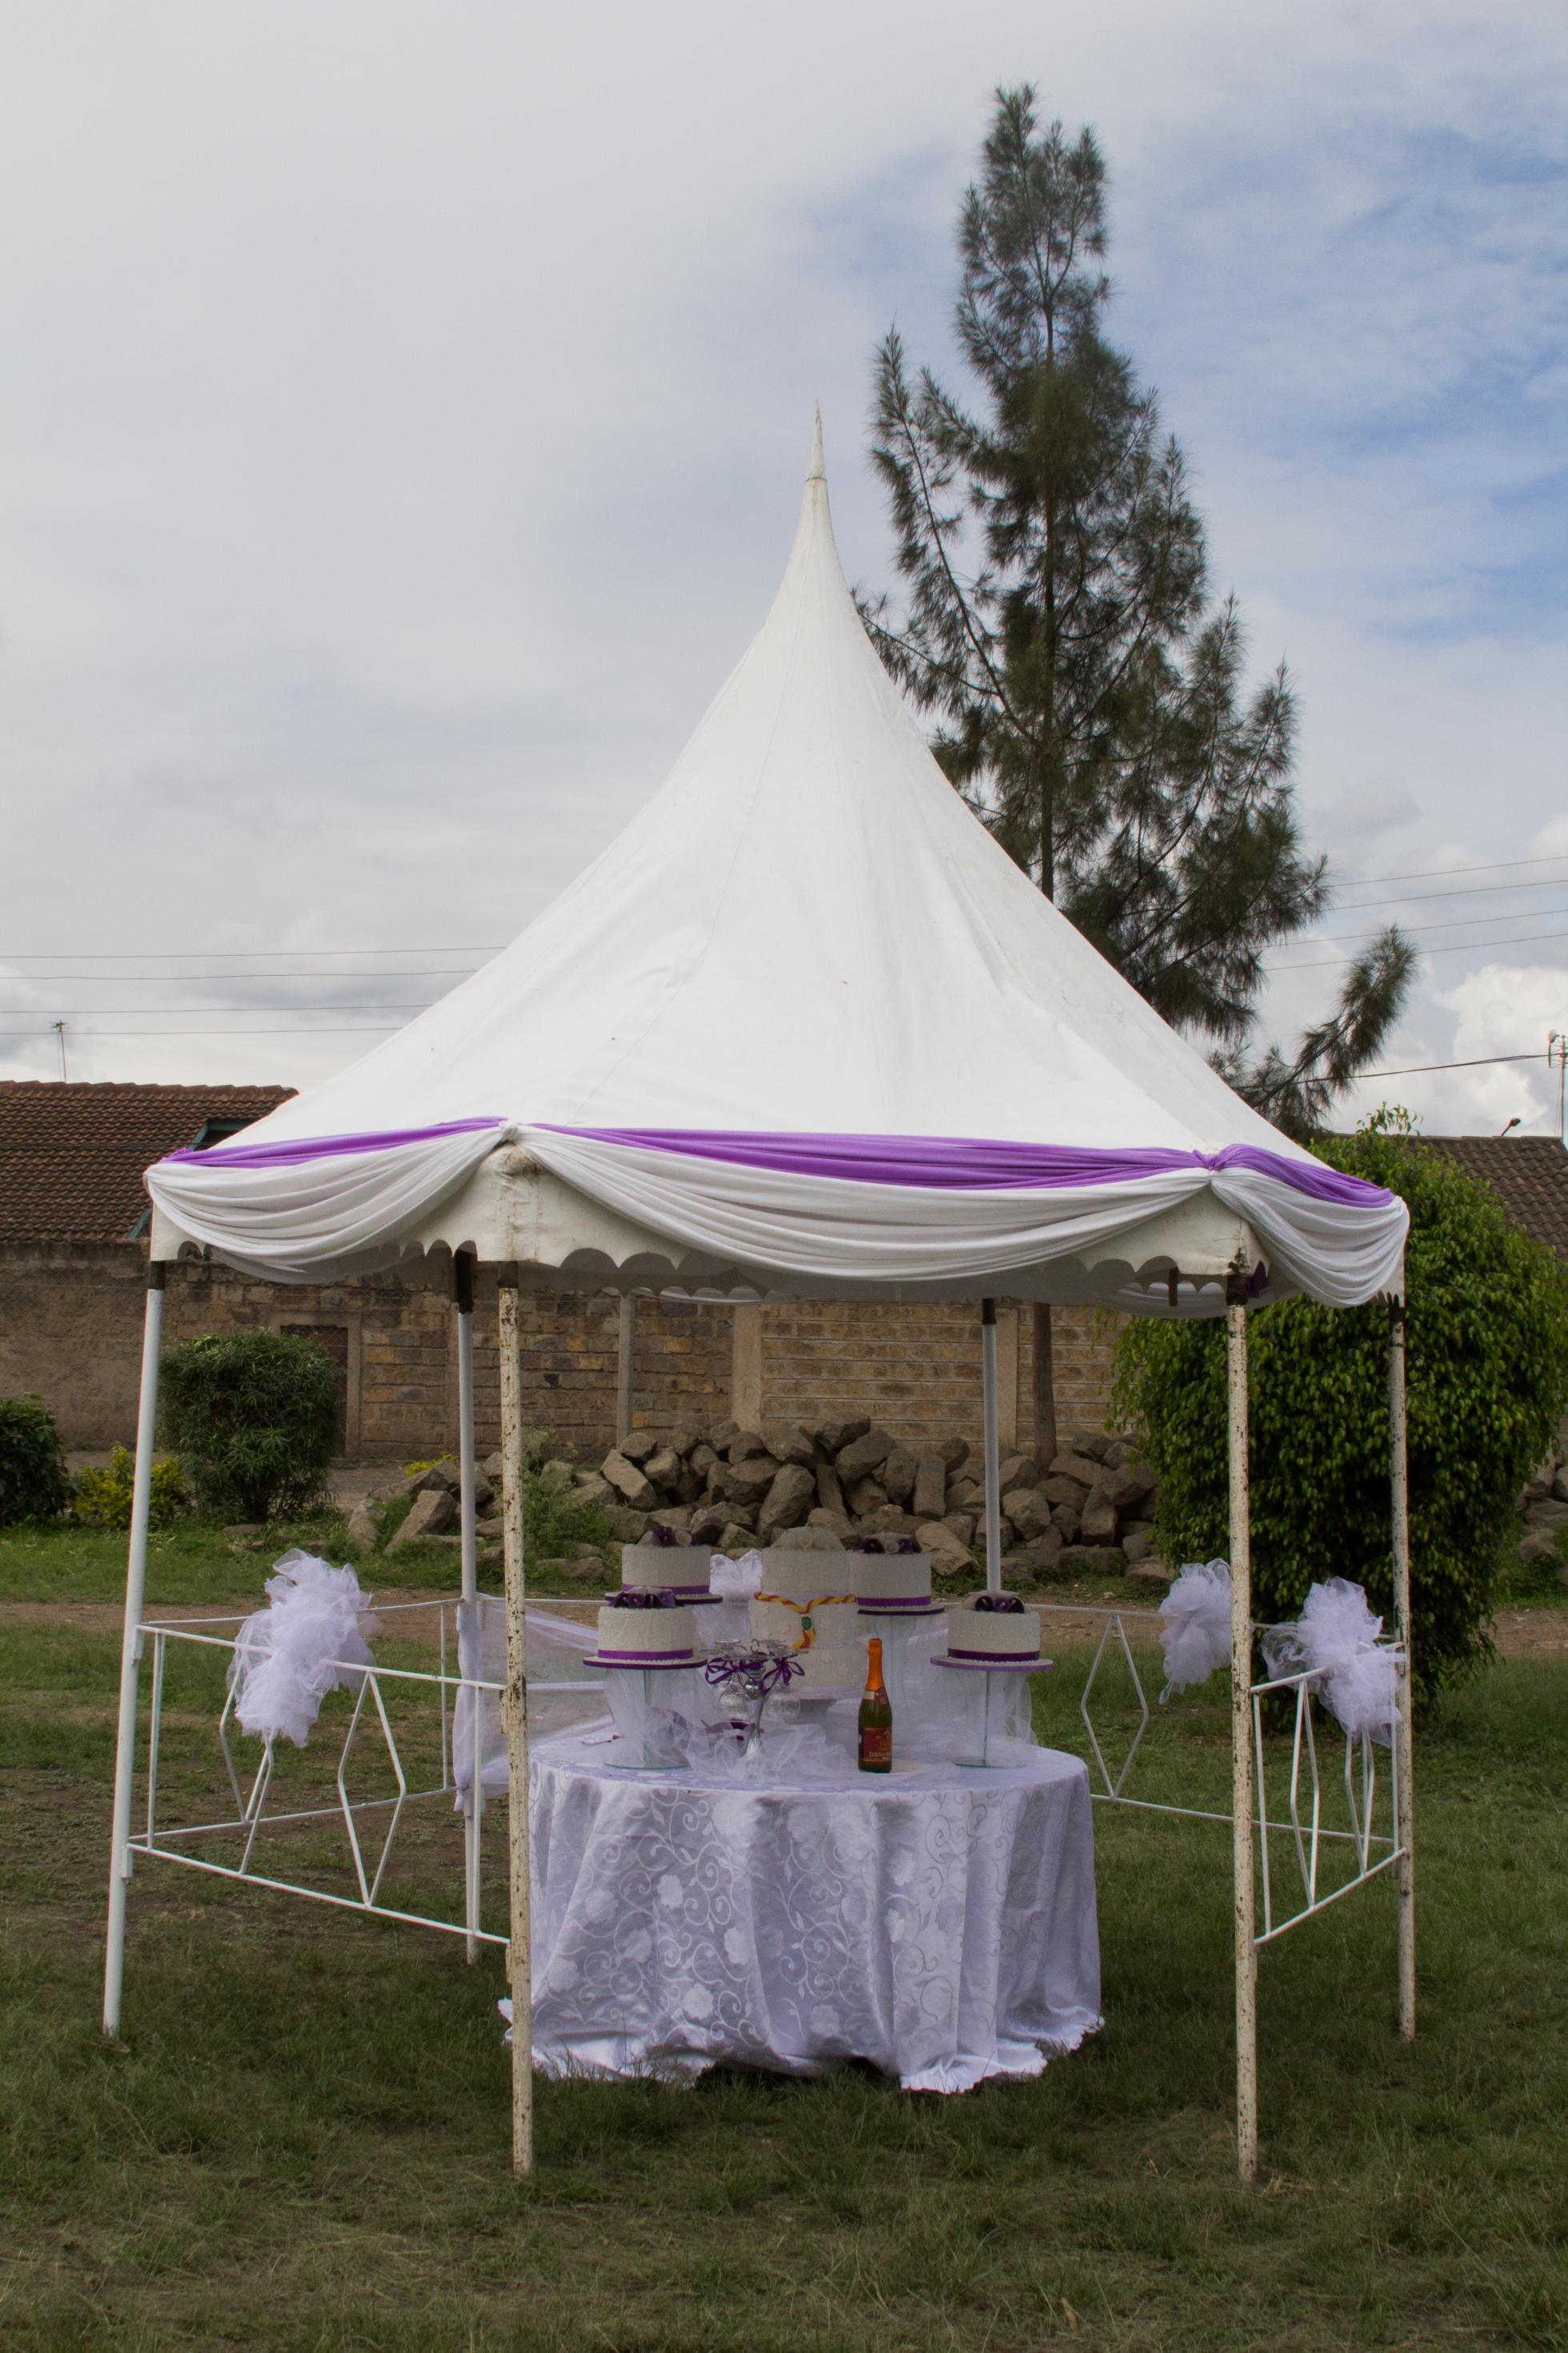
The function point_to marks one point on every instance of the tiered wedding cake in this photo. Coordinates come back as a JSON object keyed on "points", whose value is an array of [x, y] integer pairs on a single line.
{"points": [[994, 1630], [889, 1573], [808, 1605], [647, 1629], [674, 1568]]}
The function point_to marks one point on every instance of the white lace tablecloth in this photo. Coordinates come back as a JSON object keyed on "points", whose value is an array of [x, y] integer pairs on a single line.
{"points": [[938, 1923]]}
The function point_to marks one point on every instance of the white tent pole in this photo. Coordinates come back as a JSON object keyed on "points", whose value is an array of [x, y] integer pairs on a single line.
{"points": [[993, 1446], [474, 1796], [519, 1953], [1241, 1793], [131, 1651], [1405, 1825]]}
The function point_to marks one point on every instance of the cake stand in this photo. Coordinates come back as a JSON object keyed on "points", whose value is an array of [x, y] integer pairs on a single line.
{"points": [[992, 1669], [649, 1763]]}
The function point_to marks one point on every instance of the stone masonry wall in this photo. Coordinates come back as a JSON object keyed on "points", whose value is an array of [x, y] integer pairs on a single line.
{"points": [[916, 1369], [70, 1330], [70, 1333]]}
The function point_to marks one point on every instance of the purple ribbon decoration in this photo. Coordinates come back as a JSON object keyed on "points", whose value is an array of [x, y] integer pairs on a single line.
{"points": [[760, 1672], [966, 1164]]}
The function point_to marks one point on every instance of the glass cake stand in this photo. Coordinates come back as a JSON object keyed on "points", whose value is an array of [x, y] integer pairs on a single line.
{"points": [[653, 1738], [990, 1712]]}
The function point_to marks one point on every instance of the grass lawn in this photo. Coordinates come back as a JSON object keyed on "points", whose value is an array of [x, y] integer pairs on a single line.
{"points": [[301, 2142]]}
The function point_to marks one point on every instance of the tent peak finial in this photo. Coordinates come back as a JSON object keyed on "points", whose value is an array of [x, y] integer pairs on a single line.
{"points": [[815, 471]]}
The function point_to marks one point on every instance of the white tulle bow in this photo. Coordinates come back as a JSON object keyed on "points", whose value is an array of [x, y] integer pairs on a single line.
{"points": [[1195, 1624], [1335, 1640], [737, 1579], [305, 1643]]}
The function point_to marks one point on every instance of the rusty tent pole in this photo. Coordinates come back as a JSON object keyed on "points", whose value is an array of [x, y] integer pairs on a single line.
{"points": [[515, 1715], [1241, 1790], [472, 1607]]}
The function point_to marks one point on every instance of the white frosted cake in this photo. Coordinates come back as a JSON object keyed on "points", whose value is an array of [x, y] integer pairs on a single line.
{"points": [[678, 1568], [807, 1605], [994, 1629], [647, 1629], [890, 1580]]}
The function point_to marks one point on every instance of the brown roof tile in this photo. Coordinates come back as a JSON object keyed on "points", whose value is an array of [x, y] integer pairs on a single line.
{"points": [[1529, 1174], [71, 1156]]}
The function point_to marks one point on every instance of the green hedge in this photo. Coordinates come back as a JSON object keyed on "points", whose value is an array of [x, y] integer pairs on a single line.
{"points": [[1487, 1382], [255, 1419], [34, 1481]]}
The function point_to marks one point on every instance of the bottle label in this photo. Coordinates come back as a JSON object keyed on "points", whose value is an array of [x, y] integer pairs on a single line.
{"points": [[877, 1748]]}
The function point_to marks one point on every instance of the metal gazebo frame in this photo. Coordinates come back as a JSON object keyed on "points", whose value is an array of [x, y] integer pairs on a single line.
{"points": [[1248, 1814]]}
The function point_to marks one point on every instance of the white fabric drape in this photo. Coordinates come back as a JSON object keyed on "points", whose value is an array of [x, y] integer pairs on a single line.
{"points": [[558, 1650], [295, 1222]]}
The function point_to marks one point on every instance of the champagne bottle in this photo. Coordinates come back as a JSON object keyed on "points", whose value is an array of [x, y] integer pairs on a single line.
{"points": [[876, 1714]]}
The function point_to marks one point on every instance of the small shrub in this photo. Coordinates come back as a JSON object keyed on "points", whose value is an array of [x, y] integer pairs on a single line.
{"points": [[34, 1481], [555, 1516], [1487, 1377], [103, 1498], [254, 1418]]}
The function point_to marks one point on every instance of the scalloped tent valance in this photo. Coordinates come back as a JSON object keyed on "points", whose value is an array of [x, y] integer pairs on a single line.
{"points": [[803, 1030]]}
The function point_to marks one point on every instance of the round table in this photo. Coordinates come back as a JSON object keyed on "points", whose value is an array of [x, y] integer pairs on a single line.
{"points": [[938, 1921]]}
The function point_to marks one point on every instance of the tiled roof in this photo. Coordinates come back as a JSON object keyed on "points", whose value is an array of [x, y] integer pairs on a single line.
{"points": [[71, 1156], [1529, 1174]]}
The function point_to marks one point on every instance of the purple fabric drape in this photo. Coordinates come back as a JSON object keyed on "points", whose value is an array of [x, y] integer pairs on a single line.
{"points": [[966, 1164]]}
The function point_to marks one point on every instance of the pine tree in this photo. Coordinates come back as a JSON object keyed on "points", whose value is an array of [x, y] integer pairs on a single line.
{"points": [[1088, 694]]}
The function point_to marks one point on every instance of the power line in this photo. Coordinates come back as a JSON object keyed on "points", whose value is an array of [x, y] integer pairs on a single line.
{"points": [[1452, 923], [73, 1012], [236, 1037], [228, 955], [306, 972], [1435, 873], [1453, 947], [1468, 891], [252, 956], [1476, 1062]]}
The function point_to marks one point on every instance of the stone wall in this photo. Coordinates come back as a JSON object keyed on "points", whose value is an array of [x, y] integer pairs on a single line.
{"points": [[71, 1329], [916, 1368], [71, 1332], [570, 1356]]}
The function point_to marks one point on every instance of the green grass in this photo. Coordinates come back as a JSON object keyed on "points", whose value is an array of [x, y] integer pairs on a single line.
{"points": [[193, 1562], [301, 2142]]}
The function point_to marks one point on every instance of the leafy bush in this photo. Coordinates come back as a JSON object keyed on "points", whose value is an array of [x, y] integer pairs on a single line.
{"points": [[1486, 1379], [254, 1418], [103, 1498], [34, 1481], [555, 1515]]}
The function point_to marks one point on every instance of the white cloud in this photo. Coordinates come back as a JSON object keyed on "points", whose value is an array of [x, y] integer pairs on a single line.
{"points": [[404, 408]]}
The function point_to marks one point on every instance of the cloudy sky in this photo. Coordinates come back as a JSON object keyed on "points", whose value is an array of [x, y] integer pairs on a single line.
{"points": [[403, 410]]}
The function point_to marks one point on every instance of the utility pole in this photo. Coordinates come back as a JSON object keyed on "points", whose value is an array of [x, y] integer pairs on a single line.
{"points": [[60, 1034], [1557, 1052]]}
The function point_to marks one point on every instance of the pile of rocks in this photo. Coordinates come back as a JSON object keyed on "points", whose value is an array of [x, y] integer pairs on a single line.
{"points": [[1086, 1512], [1544, 1505], [434, 1514]]}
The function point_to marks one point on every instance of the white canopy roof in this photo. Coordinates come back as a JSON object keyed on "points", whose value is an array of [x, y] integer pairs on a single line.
{"points": [[804, 942]]}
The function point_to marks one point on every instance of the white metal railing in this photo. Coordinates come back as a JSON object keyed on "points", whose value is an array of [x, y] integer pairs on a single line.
{"points": [[163, 1842], [1301, 1823]]}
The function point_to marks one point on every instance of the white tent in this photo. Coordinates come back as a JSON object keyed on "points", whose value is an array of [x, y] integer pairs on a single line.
{"points": [[804, 1028]]}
